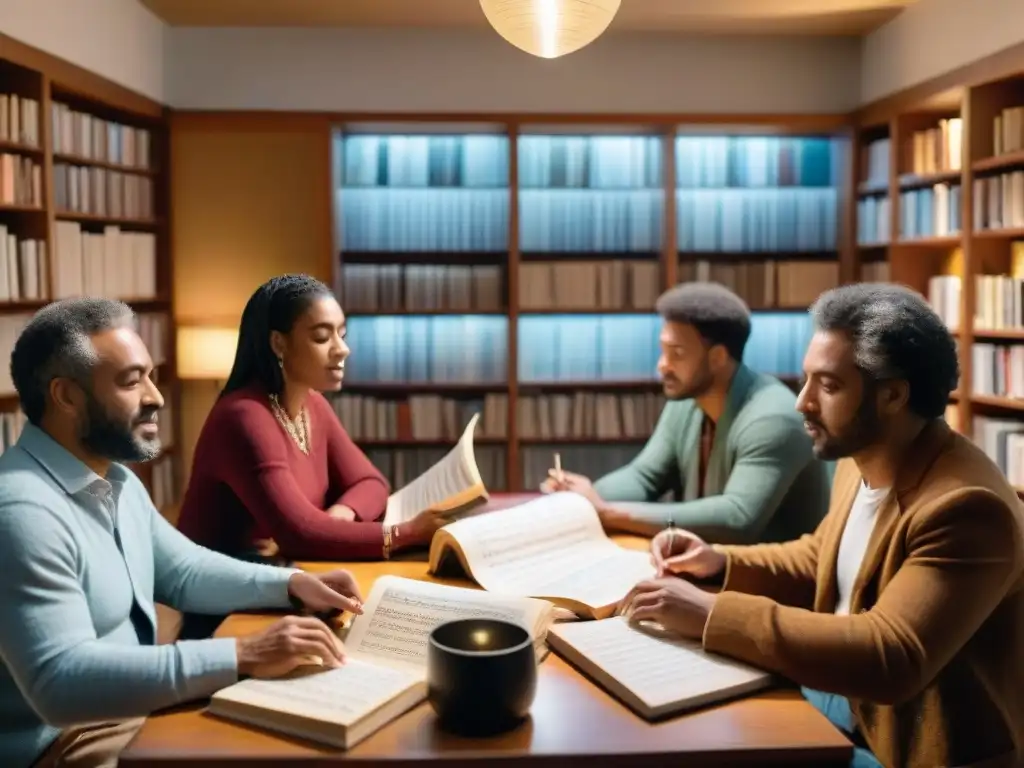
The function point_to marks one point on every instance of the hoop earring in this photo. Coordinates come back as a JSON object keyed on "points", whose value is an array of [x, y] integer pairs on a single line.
{"points": [[280, 363]]}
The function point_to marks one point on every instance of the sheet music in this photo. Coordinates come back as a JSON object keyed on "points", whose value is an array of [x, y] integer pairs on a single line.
{"points": [[401, 613], [449, 477], [341, 695], [657, 667], [553, 546]]}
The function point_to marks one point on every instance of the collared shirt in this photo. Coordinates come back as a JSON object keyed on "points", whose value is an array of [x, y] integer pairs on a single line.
{"points": [[84, 560]]}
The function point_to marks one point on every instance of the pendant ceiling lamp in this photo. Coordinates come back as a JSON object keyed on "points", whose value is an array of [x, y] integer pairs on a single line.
{"points": [[550, 28]]}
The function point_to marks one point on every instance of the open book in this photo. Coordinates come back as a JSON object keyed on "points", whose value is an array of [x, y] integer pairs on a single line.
{"points": [[651, 671], [385, 671], [451, 486], [552, 547]]}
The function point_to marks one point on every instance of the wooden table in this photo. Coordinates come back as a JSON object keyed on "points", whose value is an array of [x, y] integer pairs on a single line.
{"points": [[573, 723]]}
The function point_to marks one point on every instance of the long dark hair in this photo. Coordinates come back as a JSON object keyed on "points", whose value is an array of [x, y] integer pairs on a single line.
{"points": [[275, 306]]}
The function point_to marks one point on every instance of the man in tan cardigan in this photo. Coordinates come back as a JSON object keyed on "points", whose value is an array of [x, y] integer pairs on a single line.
{"points": [[902, 615]]}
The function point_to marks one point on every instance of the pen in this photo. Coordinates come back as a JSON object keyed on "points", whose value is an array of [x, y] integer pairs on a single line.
{"points": [[558, 468]]}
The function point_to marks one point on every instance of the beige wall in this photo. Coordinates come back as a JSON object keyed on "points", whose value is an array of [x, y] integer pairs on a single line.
{"points": [[118, 39], [476, 71], [250, 199], [933, 37]]}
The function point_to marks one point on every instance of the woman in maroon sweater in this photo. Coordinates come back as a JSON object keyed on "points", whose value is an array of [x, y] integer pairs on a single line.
{"points": [[273, 461]]}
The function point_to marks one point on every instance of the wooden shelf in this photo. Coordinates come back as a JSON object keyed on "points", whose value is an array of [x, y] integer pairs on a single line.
{"points": [[1000, 234], [918, 181], [87, 162], [59, 95], [999, 162], [942, 241]]}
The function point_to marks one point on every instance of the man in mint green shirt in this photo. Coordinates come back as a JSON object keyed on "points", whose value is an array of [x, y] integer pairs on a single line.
{"points": [[85, 556], [729, 446]]}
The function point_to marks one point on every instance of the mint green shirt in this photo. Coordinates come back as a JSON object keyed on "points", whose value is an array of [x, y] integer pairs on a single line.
{"points": [[84, 560], [763, 482]]}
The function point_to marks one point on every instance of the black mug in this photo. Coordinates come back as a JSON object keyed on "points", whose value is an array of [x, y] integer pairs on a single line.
{"points": [[481, 675]]}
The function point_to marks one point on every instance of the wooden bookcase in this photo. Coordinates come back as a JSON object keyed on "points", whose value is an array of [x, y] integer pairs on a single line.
{"points": [[959, 149], [457, 241], [84, 210]]}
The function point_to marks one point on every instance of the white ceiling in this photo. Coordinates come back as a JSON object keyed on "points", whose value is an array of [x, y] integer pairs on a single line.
{"points": [[811, 17]]}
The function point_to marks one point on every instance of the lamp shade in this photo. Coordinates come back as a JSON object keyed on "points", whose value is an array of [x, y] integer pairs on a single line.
{"points": [[550, 28], [206, 352]]}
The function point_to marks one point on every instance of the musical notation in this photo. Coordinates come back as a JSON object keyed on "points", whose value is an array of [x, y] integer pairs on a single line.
{"points": [[553, 547], [403, 620]]}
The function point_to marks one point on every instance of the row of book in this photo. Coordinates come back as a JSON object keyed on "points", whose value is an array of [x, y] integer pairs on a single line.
{"points": [[23, 268], [874, 217], [102, 192], [999, 201], [400, 161], [164, 482], [403, 465], [154, 328], [1008, 131], [376, 219], [588, 416], [757, 220], [875, 157], [999, 299], [421, 288], [21, 181], [113, 264], [997, 370], [767, 284], [584, 162], [11, 425], [423, 417], [89, 137], [589, 285], [944, 296], [466, 349], [19, 120], [930, 212], [1002, 440], [10, 329], [417, 348], [591, 460], [936, 149]]}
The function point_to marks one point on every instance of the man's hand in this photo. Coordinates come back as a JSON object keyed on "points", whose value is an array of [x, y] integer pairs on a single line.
{"points": [[341, 512], [325, 592], [682, 553], [564, 481], [286, 644], [677, 605]]}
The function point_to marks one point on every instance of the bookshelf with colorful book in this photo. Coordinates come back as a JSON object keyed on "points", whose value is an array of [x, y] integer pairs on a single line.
{"points": [[512, 269], [83, 211], [959, 174]]}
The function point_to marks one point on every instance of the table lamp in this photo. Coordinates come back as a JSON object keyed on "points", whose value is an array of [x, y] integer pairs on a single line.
{"points": [[206, 352]]}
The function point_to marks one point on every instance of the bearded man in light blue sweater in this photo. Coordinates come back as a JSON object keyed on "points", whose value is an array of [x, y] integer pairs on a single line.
{"points": [[85, 556]]}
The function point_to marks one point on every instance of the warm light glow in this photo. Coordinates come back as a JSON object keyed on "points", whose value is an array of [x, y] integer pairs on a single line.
{"points": [[206, 353], [481, 637], [550, 28]]}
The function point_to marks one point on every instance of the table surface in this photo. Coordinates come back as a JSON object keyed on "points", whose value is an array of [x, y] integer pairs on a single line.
{"points": [[572, 722]]}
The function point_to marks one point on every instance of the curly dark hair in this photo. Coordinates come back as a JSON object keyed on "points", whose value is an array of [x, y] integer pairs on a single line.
{"points": [[55, 343], [718, 314], [275, 306], [896, 335]]}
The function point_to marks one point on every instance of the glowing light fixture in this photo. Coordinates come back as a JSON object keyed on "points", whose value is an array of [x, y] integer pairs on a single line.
{"points": [[550, 28]]}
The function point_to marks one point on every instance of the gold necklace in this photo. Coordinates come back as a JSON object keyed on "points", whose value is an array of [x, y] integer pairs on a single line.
{"points": [[298, 428]]}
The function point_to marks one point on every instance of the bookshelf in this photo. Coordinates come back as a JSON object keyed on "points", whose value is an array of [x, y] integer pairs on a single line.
{"points": [[83, 211], [952, 162], [511, 268]]}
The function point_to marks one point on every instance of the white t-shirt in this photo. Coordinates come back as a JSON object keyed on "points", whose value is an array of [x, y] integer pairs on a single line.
{"points": [[854, 543]]}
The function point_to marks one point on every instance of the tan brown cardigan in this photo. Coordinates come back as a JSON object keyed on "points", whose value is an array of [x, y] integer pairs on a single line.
{"points": [[931, 656]]}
